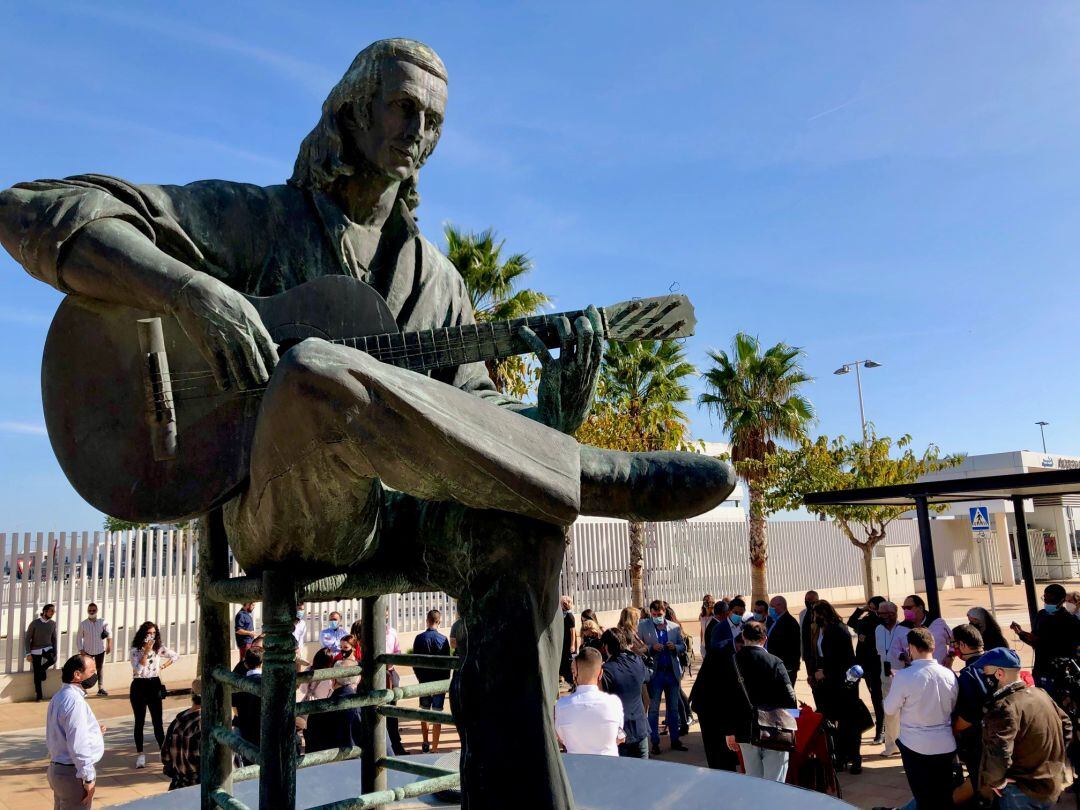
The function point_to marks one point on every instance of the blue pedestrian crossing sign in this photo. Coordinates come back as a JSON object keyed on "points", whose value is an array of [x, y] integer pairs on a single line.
{"points": [[980, 523]]}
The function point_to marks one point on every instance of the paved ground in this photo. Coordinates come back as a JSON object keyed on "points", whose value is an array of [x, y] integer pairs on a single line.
{"points": [[23, 757]]}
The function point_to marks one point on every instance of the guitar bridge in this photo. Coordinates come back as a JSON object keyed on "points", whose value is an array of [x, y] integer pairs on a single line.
{"points": [[160, 406]]}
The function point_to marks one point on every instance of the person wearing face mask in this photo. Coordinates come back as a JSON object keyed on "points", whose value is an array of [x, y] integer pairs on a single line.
{"points": [[761, 614], [74, 737], [569, 640], [834, 697], [244, 627], [864, 621], [1072, 602], [149, 657], [735, 617], [884, 636], [915, 615], [924, 695], [665, 642], [331, 635], [1024, 733], [1056, 634], [783, 641], [337, 729], [300, 628], [970, 698], [95, 639], [39, 644]]}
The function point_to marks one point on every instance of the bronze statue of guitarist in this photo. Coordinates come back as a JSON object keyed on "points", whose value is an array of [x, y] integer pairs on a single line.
{"points": [[437, 480]]}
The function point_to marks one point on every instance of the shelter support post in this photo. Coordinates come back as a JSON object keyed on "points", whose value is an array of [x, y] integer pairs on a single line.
{"points": [[1022, 548], [926, 546]]}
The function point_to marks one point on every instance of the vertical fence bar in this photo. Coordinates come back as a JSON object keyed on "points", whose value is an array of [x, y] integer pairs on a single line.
{"points": [[189, 600], [12, 600], [373, 748], [24, 595], [277, 776]]}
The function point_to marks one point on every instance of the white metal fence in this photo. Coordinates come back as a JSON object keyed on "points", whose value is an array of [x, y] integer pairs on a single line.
{"points": [[138, 575]]}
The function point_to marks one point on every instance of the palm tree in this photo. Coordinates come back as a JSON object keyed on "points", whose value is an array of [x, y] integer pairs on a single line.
{"points": [[637, 409], [491, 280], [757, 395]]}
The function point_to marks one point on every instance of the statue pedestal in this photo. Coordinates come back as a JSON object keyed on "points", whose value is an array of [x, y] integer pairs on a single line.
{"points": [[599, 783]]}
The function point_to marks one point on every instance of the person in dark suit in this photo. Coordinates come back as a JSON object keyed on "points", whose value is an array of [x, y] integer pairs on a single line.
{"points": [[718, 632], [765, 683], [839, 702], [864, 621], [623, 675], [806, 626], [785, 640], [707, 697], [339, 729]]}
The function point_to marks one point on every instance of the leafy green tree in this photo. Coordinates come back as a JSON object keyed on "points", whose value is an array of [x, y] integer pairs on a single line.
{"points": [[757, 395], [822, 465], [492, 282], [637, 408], [117, 525]]}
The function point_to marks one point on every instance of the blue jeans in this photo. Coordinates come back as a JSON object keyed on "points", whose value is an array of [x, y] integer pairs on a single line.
{"points": [[1013, 798], [664, 683], [763, 763]]}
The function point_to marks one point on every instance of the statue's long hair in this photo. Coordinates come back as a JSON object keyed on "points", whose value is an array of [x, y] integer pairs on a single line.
{"points": [[321, 160]]}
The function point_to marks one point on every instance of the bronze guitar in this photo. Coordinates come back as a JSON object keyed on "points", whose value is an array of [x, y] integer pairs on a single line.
{"points": [[143, 432]]}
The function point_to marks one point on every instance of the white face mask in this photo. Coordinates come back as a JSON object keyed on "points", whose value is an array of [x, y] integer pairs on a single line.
{"points": [[1071, 607]]}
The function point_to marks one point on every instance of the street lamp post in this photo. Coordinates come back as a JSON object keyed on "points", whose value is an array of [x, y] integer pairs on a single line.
{"points": [[844, 369], [1042, 432]]}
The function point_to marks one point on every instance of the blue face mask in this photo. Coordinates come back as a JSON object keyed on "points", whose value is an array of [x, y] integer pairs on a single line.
{"points": [[1050, 608], [759, 617], [736, 618], [299, 614], [773, 614], [333, 624], [658, 619]]}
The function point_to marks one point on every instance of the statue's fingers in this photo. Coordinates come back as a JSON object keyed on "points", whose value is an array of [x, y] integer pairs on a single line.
{"points": [[266, 348], [240, 369], [254, 364], [593, 314], [585, 337], [219, 364], [536, 344], [566, 337]]}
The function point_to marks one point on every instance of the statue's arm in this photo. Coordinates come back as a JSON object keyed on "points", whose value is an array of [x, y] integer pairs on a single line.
{"points": [[86, 242]]}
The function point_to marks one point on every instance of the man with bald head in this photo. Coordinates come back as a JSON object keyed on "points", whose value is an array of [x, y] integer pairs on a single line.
{"points": [[784, 637], [428, 482]]}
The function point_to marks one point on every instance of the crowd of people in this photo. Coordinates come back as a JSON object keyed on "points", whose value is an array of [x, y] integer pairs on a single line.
{"points": [[970, 724]]}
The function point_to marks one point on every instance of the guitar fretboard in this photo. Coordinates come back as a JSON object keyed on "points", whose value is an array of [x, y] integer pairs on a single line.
{"points": [[456, 345]]}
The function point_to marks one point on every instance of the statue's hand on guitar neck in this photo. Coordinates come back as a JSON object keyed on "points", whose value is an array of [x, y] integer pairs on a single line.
{"points": [[227, 330]]}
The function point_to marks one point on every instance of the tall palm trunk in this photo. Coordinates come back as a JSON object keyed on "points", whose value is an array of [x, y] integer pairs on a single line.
{"points": [[637, 565], [759, 545]]}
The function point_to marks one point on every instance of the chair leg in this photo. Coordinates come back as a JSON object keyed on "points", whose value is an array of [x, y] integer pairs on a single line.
{"points": [[215, 630], [373, 777], [277, 748]]}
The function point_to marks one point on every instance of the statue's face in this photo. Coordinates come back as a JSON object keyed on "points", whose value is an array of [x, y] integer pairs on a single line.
{"points": [[405, 121]]}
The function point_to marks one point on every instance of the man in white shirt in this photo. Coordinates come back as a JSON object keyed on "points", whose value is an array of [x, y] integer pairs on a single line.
{"points": [[95, 639], [73, 736], [924, 695], [300, 629], [589, 721], [885, 634]]}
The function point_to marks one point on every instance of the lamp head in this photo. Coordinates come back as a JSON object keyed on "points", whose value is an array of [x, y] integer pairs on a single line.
{"points": [[842, 370], [871, 364]]}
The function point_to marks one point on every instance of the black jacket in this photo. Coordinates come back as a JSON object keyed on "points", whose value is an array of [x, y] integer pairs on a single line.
{"points": [[623, 676], [806, 627], [865, 624], [785, 642], [766, 680], [837, 653], [340, 729]]}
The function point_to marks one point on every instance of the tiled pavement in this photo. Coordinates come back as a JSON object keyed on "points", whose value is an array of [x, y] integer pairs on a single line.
{"points": [[23, 757]]}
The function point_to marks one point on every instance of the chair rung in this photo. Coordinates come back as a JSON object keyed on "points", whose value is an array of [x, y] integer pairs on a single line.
{"points": [[234, 741], [306, 761], [421, 787], [423, 661], [413, 767], [226, 801], [234, 681], [424, 715], [333, 704]]}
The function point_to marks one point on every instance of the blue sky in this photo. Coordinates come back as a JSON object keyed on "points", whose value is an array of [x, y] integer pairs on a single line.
{"points": [[893, 181]]}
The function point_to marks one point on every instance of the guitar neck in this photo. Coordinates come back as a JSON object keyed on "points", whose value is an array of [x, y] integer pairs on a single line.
{"points": [[450, 346]]}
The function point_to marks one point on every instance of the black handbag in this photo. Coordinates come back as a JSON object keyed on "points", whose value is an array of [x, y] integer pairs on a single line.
{"points": [[770, 728]]}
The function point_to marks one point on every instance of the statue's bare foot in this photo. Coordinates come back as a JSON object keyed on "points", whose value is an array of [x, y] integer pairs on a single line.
{"points": [[652, 486]]}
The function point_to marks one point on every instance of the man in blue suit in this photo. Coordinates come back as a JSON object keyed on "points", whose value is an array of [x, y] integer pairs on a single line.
{"points": [[666, 643]]}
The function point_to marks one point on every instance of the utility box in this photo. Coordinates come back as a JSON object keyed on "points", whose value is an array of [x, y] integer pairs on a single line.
{"points": [[893, 577]]}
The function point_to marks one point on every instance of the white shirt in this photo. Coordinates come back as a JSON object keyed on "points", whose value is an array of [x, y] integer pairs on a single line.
{"points": [[942, 640], [89, 639], [883, 640], [299, 631], [590, 722], [924, 695], [72, 732], [152, 667]]}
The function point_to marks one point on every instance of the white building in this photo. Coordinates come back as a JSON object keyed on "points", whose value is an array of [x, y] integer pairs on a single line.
{"points": [[1051, 520]]}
